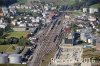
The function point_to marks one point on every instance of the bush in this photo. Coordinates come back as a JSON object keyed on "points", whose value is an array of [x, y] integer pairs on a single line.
{"points": [[13, 40], [22, 41]]}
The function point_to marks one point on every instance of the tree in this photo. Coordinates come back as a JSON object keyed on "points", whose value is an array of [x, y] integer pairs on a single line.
{"points": [[22, 41], [73, 27], [7, 28], [1, 32], [1, 41]]}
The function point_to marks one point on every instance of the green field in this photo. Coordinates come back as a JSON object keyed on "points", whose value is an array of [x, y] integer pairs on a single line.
{"points": [[17, 34], [77, 12], [10, 49], [66, 2], [96, 5], [7, 48], [22, 1], [57, 2], [23, 10], [61, 2]]}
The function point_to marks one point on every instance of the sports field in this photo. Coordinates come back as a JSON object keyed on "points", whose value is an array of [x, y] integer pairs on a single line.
{"points": [[7, 48]]}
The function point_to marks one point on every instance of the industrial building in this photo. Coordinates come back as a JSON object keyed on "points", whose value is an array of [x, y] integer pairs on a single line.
{"points": [[15, 58], [3, 58], [68, 39], [87, 37], [10, 58]]}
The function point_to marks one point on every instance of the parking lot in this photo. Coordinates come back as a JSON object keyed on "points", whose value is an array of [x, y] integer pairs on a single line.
{"points": [[69, 55]]}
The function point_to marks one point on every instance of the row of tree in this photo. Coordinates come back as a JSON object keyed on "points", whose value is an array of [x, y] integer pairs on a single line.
{"points": [[4, 31], [20, 41]]}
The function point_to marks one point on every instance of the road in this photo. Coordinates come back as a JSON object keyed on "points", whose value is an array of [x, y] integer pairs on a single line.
{"points": [[46, 43]]}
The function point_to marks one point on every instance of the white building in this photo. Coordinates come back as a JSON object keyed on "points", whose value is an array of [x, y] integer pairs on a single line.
{"points": [[22, 6], [84, 10], [93, 10], [46, 7], [18, 7], [91, 18], [53, 8], [2, 25], [22, 25], [44, 15], [15, 58]]}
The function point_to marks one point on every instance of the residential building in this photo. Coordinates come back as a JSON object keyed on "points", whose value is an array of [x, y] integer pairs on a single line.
{"points": [[84, 10], [93, 10]]}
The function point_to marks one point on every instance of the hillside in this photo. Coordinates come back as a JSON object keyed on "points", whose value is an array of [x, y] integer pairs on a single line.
{"points": [[22, 1], [74, 4], [64, 2], [95, 5], [57, 2]]}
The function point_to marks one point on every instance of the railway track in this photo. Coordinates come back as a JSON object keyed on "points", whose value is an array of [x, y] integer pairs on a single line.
{"points": [[46, 44]]}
